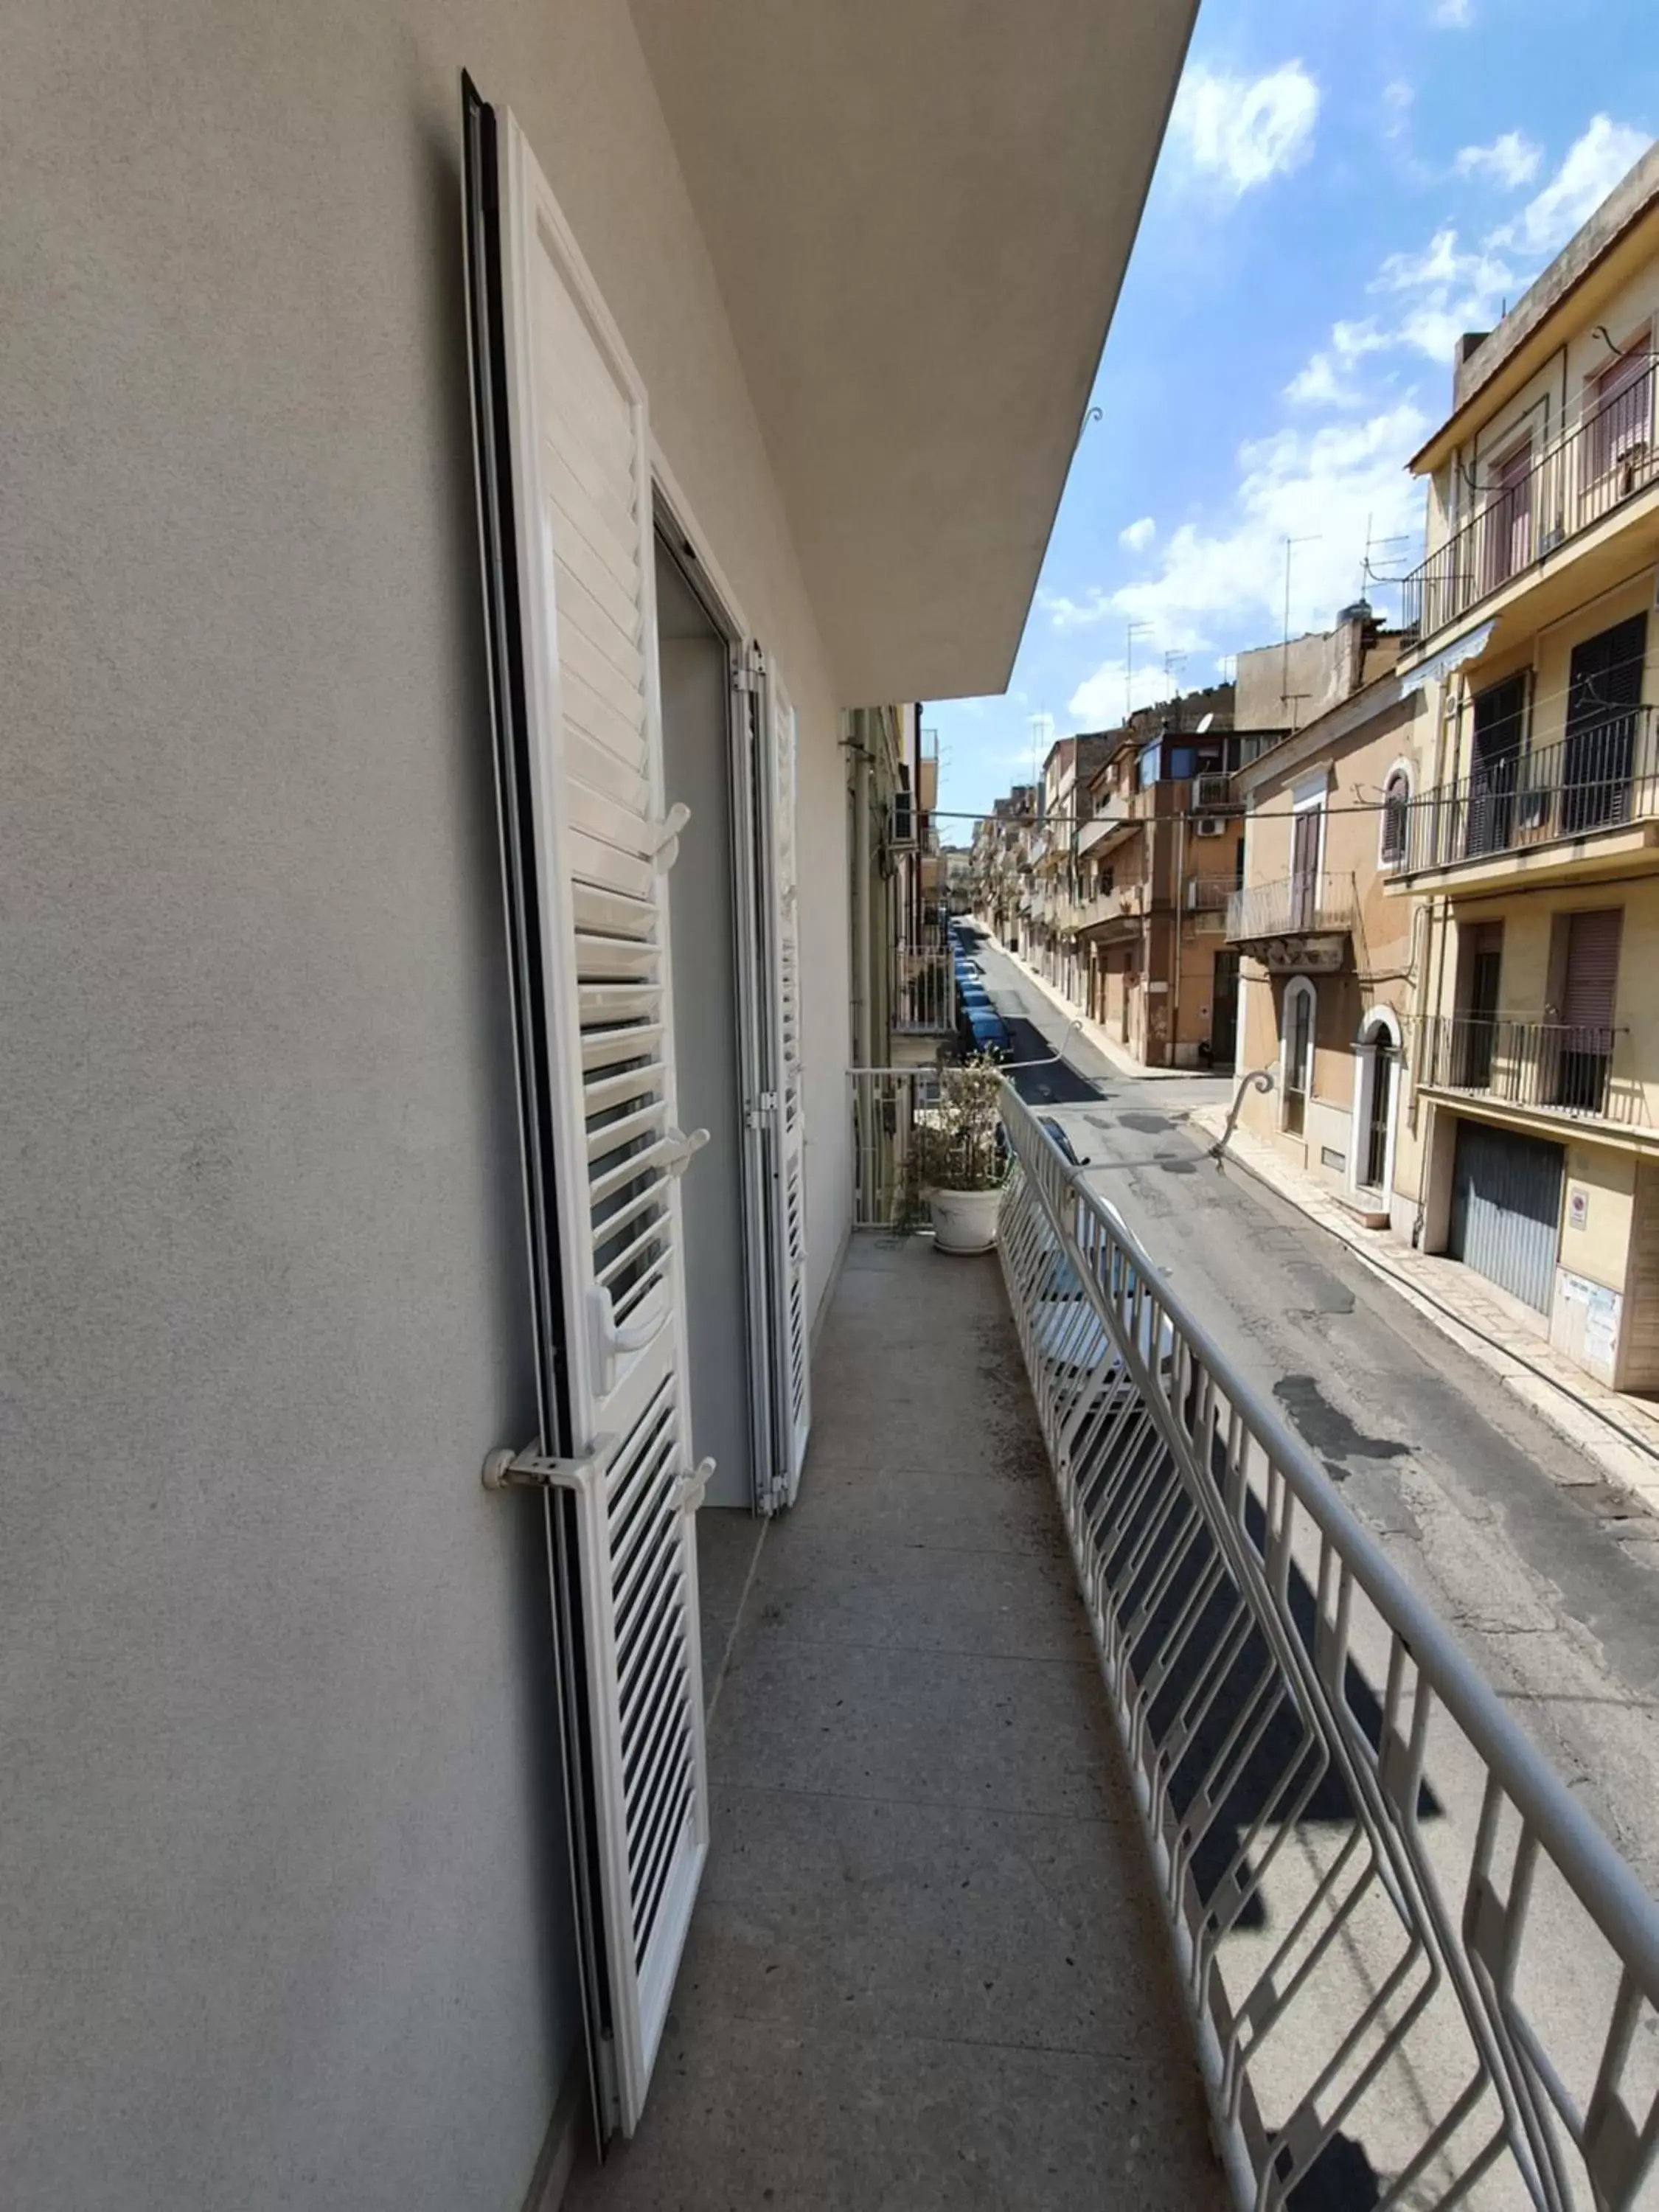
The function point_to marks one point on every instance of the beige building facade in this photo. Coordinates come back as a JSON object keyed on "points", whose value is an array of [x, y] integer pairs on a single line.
{"points": [[1533, 845]]}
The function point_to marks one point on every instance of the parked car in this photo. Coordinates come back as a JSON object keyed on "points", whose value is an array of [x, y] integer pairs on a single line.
{"points": [[984, 1030]]}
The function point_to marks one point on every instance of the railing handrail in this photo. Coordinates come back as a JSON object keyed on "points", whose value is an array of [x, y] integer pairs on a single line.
{"points": [[1578, 1845], [1224, 1444]]}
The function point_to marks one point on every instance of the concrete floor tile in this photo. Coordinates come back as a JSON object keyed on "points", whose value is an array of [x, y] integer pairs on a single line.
{"points": [[919, 1920], [746, 2114], [851, 1721], [848, 1587], [726, 1543], [969, 1511]]}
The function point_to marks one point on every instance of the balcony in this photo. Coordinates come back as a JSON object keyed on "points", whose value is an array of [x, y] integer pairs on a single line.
{"points": [[1592, 799], [1300, 923], [1209, 898], [1110, 821], [1551, 1068], [1114, 914], [1609, 457], [924, 990], [1071, 1706]]}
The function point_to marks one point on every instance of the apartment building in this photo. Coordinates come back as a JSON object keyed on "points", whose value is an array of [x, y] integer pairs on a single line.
{"points": [[996, 873], [1531, 836], [1053, 857], [1327, 958], [1158, 851], [430, 861]]}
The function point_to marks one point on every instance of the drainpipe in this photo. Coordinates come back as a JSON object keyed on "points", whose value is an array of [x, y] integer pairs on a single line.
{"points": [[861, 1041]]}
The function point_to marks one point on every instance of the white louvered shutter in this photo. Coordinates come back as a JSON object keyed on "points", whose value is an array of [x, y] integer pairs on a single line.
{"points": [[596, 969], [791, 1337]]}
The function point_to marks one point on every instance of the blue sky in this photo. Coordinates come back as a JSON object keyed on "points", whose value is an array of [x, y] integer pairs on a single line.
{"points": [[1344, 189]]}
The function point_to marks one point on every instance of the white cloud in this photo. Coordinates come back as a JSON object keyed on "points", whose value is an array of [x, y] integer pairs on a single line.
{"points": [[1329, 379], [1331, 486], [1445, 290], [1595, 163], [1511, 160], [1243, 130], [1065, 614], [1138, 535], [1099, 700], [1452, 14]]}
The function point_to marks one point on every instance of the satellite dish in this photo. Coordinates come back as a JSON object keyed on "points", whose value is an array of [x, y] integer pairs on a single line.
{"points": [[1203, 726]]}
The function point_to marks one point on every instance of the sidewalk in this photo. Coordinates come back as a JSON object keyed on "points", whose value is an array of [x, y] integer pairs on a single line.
{"points": [[1450, 1296]]}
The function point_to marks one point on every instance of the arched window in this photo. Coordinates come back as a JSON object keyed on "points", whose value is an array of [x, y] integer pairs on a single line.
{"points": [[1297, 1053], [1397, 817], [1376, 1092]]}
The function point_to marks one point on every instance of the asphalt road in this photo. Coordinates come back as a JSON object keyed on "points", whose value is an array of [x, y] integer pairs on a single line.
{"points": [[1505, 1528]]}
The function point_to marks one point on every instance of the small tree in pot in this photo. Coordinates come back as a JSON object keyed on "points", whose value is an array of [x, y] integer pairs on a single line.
{"points": [[958, 1159]]}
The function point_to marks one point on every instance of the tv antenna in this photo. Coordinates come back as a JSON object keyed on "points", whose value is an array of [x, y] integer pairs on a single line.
{"points": [[1132, 631]]}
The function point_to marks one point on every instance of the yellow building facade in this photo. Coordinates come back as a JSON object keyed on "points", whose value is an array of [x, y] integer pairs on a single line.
{"points": [[1530, 854]]}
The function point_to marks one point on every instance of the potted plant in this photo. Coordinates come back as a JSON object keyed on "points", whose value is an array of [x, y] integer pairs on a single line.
{"points": [[958, 1158]]}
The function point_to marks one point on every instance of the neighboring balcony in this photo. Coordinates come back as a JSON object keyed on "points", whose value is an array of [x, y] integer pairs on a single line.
{"points": [[1109, 821], [1112, 915], [1537, 509], [1535, 1066], [1300, 923], [1589, 803], [924, 991], [1208, 900]]}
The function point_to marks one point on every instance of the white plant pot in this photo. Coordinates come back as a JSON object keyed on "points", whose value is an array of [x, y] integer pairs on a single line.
{"points": [[965, 1220]]}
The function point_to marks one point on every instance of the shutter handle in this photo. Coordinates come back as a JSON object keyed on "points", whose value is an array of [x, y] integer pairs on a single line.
{"points": [[680, 1158], [688, 1490], [611, 1337], [666, 849]]}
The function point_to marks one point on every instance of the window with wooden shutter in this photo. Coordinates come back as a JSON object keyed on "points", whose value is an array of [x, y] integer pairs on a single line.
{"points": [[565, 498]]}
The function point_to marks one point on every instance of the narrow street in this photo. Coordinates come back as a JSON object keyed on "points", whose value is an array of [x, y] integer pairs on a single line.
{"points": [[1485, 1508]]}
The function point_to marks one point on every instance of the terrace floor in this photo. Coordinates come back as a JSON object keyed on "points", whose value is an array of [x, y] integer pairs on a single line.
{"points": [[927, 1967]]}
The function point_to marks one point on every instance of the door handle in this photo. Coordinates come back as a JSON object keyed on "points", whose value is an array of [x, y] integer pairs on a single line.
{"points": [[610, 1338]]}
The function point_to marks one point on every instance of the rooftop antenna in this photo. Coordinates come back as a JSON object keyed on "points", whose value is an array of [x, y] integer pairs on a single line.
{"points": [[1173, 664], [1132, 631]]}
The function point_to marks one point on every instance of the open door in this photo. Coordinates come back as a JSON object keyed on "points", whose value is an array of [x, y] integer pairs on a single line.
{"points": [[565, 511]]}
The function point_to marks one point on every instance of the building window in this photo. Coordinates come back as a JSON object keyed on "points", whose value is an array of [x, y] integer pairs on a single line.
{"points": [[1397, 817]]}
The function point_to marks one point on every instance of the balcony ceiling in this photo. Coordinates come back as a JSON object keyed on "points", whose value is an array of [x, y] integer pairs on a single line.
{"points": [[919, 213]]}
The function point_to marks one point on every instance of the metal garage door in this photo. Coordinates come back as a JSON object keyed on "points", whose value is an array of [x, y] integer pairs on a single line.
{"points": [[1506, 1209]]}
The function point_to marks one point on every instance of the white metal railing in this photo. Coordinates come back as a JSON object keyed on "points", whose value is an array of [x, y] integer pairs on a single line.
{"points": [[1418, 1973], [924, 988], [888, 1105], [1294, 907]]}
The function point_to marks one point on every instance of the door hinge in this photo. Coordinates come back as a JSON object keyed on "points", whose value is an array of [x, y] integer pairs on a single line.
{"points": [[764, 1104]]}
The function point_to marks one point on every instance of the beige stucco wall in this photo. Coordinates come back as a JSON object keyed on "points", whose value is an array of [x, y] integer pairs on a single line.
{"points": [[281, 1872], [1384, 967]]}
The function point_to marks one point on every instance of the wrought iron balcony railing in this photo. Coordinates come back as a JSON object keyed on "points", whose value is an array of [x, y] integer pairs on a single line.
{"points": [[1608, 455], [1601, 776], [1297, 906], [1555, 1068]]}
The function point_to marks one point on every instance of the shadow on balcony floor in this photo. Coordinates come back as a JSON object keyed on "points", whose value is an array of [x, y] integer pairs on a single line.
{"points": [[926, 1968]]}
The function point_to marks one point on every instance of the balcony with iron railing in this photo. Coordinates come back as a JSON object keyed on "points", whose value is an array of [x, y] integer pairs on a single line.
{"points": [[924, 988], [1322, 905], [1208, 901], [1598, 785], [1073, 1746], [1605, 457], [1535, 1066]]}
